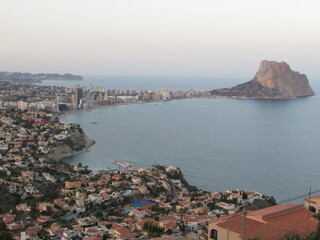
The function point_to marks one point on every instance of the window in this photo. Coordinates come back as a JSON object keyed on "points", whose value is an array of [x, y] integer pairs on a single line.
{"points": [[214, 234], [312, 209]]}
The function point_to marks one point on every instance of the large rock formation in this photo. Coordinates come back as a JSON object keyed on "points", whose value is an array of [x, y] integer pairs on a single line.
{"points": [[273, 80]]}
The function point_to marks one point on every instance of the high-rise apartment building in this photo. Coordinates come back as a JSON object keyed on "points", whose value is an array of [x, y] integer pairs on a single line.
{"points": [[78, 93]]}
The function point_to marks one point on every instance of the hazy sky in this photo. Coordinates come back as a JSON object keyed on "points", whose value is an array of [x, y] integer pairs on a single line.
{"points": [[158, 37]]}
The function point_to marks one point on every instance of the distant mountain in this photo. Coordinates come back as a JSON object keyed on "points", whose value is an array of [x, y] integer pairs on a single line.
{"points": [[273, 80], [28, 77]]}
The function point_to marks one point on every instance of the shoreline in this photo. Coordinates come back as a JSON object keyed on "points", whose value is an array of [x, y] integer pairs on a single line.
{"points": [[99, 107], [66, 114], [124, 104], [66, 157]]}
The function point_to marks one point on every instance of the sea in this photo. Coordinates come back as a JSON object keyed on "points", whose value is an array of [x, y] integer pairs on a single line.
{"points": [[269, 146]]}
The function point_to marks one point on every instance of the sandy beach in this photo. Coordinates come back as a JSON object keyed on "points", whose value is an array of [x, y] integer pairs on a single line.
{"points": [[99, 107]]}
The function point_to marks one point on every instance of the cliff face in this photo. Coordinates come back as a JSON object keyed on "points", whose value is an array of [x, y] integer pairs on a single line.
{"points": [[78, 142], [274, 75], [273, 80]]}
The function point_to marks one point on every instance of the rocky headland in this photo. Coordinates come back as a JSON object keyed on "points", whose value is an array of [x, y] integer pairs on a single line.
{"points": [[273, 80], [76, 143]]}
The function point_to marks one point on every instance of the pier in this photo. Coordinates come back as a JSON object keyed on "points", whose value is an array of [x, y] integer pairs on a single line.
{"points": [[126, 166]]}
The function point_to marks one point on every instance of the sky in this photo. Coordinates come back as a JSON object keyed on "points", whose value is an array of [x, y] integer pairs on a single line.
{"points": [[158, 37]]}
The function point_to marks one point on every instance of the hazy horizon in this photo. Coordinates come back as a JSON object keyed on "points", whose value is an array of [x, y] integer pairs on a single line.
{"points": [[158, 38]]}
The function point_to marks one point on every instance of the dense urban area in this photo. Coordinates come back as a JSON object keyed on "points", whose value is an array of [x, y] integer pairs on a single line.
{"points": [[43, 197], [24, 96]]}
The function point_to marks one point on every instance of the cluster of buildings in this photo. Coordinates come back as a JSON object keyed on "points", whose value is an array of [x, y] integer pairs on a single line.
{"points": [[27, 140], [91, 97], [60, 99], [28, 96]]}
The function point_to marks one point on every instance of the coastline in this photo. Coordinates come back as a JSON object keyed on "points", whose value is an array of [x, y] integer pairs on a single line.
{"points": [[70, 113], [66, 114], [99, 107], [87, 148], [151, 106], [90, 141]]}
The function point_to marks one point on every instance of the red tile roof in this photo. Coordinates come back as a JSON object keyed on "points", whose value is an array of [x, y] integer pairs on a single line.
{"points": [[315, 197], [254, 228], [14, 226], [300, 221], [9, 218], [95, 238], [273, 222], [275, 210], [169, 224], [124, 232], [165, 218], [32, 230]]}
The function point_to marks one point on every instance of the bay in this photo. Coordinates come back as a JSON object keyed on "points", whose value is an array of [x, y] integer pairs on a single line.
{"points": [[271, 146]]}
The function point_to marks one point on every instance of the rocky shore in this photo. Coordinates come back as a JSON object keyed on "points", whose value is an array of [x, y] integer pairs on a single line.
{"points": [[77, 143]]}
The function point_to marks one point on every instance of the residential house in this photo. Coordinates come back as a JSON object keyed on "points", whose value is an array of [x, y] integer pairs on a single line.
{"points": [[121, 232], [8, 218], [313, 203], [268, 223], [72, 185], [43, 206]]}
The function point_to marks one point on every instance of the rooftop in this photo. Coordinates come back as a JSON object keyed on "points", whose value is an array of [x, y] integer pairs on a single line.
{"points": [[141, 203], [275, 210], [273, 222]]}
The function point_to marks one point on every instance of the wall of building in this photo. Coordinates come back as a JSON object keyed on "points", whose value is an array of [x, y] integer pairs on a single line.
{"points": [[223, 234]]}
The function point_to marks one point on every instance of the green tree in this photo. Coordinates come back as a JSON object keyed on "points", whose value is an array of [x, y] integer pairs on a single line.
{"points": [[245, 195], [34, 211], [72, 202], [291, 237], [182, 227], [3, 173], [49, 211], [6, 236], [153, 230], [43, 234], [169, 231], [3, 226], [211, 205], [99, 214]]}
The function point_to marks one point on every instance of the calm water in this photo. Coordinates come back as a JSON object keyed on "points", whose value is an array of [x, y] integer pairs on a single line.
{"points": [[151, 83], [271, 146]]}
